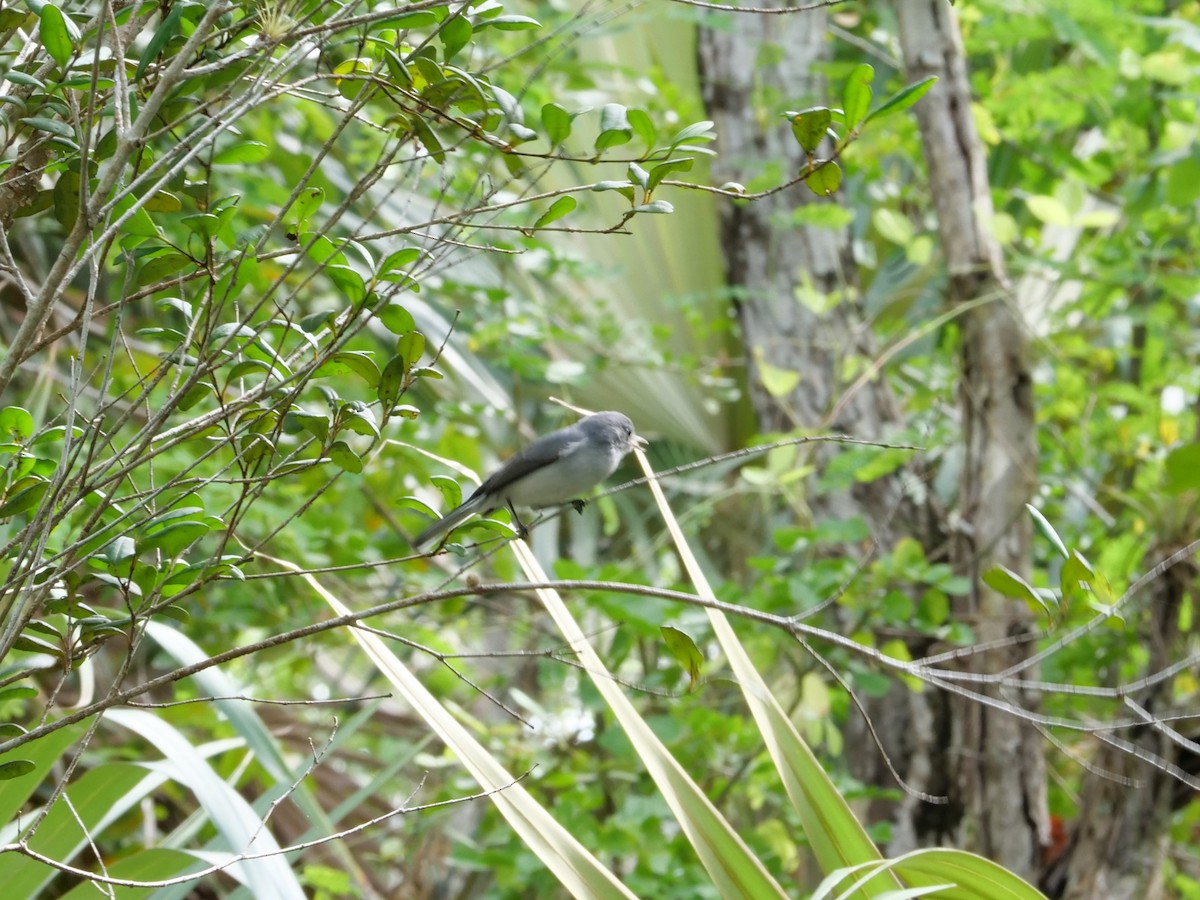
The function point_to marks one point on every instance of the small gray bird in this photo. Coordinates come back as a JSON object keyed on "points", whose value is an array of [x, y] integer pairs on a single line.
{"points": [[554, 469]]}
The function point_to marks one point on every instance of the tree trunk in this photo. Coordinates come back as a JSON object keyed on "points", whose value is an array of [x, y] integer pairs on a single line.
{"points": [[997, 764], [1117, 845], [769, 260], [988, 763]]}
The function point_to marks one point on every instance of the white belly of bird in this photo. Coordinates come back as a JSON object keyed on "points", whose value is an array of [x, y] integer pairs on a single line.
{"points": [[572, 475]]}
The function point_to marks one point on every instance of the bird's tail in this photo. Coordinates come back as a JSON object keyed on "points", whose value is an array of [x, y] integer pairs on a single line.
{"points": [[451, 520]]}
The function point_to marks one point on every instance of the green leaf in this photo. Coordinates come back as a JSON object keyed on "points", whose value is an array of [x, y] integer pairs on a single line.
{"points": [[693, 132], [893, 225], [391, 382], [177, 304], [345, 458], [241, 153], [411, 347], [16, 424], [643, 127], [396, 319], [163, 201], [660, 207], [1076, 579], [55, 34], [614, 127], [139, 223], [686, 653], [661, 171], [22, 77], [559, 208], [856, 95], [206, 225], [348, 281], [350, 362], [175, 537], [557, 122], [121, 549], [15, 769], [810, 126], [359, 71], [307, 203], [159, 268], [167, 30], [315, 424], [522, 133], [1009, 584], [359, 418], [455, 34], [66, 198], [638, 175], [971, 877], [17, 692], [1049, 210], [1181, 187], [903, 99], [824, 181], [509, 23], [1047, 529], [393, 266], [777, 381], [421, 19], [451, 490], [1182, 468], [51, 126], [428, 139], [25, 498]]}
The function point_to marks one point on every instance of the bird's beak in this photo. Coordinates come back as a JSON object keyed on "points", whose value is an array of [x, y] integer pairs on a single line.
{"points": [[639, 442]]}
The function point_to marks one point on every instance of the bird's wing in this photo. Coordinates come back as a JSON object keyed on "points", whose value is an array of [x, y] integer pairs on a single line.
{"points": [[542, 452]]}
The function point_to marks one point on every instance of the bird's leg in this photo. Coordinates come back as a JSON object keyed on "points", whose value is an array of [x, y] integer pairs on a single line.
{"points": [[578, 505], [522, 531]]}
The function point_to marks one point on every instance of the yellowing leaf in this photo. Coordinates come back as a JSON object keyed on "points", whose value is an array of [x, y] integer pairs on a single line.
{"points": [[1048, 210], [777, 382]]}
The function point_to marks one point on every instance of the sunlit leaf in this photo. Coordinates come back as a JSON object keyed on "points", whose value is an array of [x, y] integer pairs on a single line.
{"points": [[825, 180], [614, 127], [559, 208], [16, 424], [557, 122], [856, 95], [903, 99], [55, 34], [686, 653]]}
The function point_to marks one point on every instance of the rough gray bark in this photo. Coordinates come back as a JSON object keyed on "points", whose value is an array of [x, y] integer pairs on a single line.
{"points": [[1117, 845], [768, 259], [989, 764], [997, 766]]}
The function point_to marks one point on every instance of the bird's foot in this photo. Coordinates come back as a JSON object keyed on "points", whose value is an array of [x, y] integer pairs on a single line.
{"points": [[578, 505], [522, 531]]}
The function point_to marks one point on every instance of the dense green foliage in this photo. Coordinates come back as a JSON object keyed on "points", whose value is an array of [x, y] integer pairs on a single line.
{"points": [[306, 268]]}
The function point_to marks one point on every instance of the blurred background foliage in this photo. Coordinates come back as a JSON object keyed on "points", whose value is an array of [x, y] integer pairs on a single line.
{"points": [[337, 271]]}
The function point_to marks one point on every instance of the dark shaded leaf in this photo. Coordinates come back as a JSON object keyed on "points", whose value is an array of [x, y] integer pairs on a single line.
{"points": [[345, 458], [167, 30]]}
